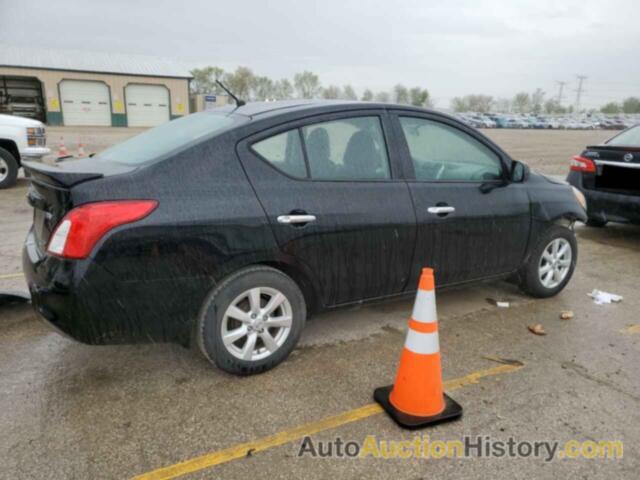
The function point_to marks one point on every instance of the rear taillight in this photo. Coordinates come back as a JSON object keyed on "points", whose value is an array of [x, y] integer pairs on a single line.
{"points": [[81, 228], [581, 164]]}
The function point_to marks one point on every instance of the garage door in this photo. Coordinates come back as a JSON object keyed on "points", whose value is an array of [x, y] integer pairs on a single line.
{"points": [[147, 105], [85, 103]]}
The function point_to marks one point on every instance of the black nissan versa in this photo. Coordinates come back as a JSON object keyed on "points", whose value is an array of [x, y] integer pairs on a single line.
{"points": [[229, 227], [609, 177]]}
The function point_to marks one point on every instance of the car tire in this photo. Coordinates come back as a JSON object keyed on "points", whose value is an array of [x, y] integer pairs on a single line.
{"points": [[219, 317], [592, 222], [532, 279], [8, 169]]}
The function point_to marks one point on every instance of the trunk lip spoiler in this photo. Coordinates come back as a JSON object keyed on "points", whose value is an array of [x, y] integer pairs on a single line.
{"points": [[41, 172]]}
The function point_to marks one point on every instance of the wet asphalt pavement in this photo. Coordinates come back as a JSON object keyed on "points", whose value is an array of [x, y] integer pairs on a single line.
{"points": [[71, 411]]}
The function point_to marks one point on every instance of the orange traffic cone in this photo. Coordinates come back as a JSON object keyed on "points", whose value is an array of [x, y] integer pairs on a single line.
{"points": [[417, 398], [81, 150], [62, 150]]}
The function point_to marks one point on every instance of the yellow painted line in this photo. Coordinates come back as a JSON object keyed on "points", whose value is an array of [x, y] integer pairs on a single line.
{"points": [[11, 275], [239, 451], [631, 329]]}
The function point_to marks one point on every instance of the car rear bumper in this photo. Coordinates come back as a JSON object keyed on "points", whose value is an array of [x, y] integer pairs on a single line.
{"points": [[82, 300], [606, 206]]}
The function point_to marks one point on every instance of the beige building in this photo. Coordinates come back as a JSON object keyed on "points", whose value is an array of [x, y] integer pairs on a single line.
{"points": [[86, 88]]}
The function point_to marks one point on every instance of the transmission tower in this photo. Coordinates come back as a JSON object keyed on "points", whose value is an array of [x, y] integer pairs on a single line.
{"points": [[579, 91], [560, 90]]}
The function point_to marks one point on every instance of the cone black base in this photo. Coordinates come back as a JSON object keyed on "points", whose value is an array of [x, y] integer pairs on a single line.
{"points": [[452, 411]]}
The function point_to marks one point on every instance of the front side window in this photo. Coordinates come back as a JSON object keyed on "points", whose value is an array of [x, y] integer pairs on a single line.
{"points": [[283, 151], [441, 153], [347, 149]]}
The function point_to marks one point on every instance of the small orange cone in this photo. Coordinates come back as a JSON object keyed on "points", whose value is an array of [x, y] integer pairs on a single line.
{"points": [[62, 150], [417, 398], [81, 150]]}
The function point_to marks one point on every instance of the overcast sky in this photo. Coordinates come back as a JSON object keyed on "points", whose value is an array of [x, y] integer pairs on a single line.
{"points": [[450, 47]]}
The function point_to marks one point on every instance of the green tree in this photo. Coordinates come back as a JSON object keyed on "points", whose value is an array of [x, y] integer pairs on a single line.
{"points": [[204, 80], [307, 84], [552, 106], [401, 94], [522, 102], [631, 105], [240, 82], [331, 92], [367, 96], [348, 93], [419, 97], [612, 108]]}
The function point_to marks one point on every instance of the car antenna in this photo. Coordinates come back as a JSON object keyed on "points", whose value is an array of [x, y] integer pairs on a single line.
{"points": [[239, 102]]}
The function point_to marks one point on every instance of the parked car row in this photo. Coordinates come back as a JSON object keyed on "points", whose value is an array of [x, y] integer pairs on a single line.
{"points": [[566, 122]]}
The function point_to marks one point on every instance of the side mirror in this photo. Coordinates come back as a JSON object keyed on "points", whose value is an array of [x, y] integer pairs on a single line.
{"points": [[519, 172]]}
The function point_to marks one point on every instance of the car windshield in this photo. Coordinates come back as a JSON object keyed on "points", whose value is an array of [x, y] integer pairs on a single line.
{"points": [[630, 138], [157, 143]]}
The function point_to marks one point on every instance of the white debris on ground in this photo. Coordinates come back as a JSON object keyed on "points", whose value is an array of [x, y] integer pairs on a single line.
{"points": [[602, 298]]}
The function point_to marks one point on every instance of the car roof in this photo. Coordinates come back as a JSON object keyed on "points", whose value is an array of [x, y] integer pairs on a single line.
{"points": [[255, 110]]}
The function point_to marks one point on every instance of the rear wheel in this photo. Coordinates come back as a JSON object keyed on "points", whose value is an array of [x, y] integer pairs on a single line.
{"points": [[252, 321], [551, 263], [8, 169]]}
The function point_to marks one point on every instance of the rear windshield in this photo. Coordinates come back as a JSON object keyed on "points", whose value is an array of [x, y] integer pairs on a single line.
{"points": [[630, 138], [159, 142]]}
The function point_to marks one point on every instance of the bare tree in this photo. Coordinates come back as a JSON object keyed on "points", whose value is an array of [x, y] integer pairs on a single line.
{"points": [[307, 84], [537, 100], [283, 90], [348, 93], [331, 92], [263, 88], [459, 104], [522, 102], [383, 97], [240, 82], [367, 95]]}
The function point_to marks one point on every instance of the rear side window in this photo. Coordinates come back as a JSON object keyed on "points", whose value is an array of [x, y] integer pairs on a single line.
{"points": [[170, 137], [283, 151], [441, 153], [347, 149], [630, 138]]}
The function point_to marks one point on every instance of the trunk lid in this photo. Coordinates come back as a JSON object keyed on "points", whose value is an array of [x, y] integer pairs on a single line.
{"points": [[617, 169], [50, 192]]}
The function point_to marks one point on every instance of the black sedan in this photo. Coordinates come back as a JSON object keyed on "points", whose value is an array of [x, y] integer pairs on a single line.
{"points": [[229, 227], [609, 177]]}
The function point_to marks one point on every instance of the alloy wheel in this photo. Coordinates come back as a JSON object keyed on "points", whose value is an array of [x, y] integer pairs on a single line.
{"points": [[256, 323], [555, 262]]}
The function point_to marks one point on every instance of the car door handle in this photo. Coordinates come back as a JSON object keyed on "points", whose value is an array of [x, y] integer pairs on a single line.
{"points": [[296, 219], [441, 210]]}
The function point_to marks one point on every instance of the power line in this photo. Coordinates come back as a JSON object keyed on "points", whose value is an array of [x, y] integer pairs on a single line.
{"points": [[581, 78]]}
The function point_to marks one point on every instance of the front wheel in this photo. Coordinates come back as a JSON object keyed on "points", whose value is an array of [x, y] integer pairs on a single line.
{"points": [[551, 263], [252, 321], [8, 169]]}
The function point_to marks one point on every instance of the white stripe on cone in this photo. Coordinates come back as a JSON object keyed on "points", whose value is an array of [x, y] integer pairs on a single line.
{"points": [[424, 308], [422, 343]]}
